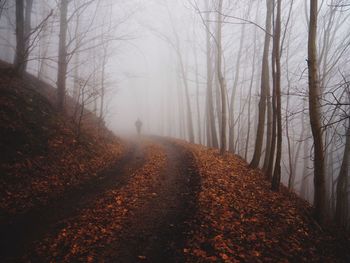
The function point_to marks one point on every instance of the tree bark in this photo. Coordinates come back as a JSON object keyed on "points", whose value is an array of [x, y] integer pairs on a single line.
{"points": [[231, 136], [315, 117], [27, 31], [304, 181], [265, 84], [222, 83], [276, 179], [197, 99], [62, 56], [212, 135], [20, 38], [342, 205], [188, 102]]}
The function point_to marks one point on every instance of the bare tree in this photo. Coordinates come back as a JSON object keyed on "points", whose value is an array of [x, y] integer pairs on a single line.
{"points": [[342, 204], [265, 85], [222, 81], [276, 179], [234, 88], [62, 56], [315, 116], [211, 129], [197, 96], [20, 38]]}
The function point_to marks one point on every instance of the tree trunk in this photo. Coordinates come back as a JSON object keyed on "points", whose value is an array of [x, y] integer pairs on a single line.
{"points": [[188, 102], [342, 205], [43, 47], [265, 84], [197, 98], [315, 117], [222, 83], [231, 138], [210, 107], [27, 31], [20, 38], [103, 76], [250, 99], [276, 179], [269, 124], [62, 56], [304, 181]]}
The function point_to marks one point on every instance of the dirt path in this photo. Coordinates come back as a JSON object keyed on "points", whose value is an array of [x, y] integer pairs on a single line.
{"points": [[20, 233], [159, 229]]}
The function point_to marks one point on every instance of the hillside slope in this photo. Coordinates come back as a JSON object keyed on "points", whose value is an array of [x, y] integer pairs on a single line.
{"points": [[41, 155], [240, 219]]}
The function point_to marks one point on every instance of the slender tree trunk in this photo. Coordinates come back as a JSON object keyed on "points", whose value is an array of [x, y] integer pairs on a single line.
{"points": [[269, 125], [250, 99], [265, 84], [62, 56], [342, 205], [290, 158], [197, 99], [76, 85], [276, 179], [20, 38], [27, 31], [234, 88], [211, 119], [207, 121], [103, 76], [315, 117], [43, 47], [270, 166], [222, 83], [181, 115], [297, 154], [329, 179], [304, 184], [188, 102], [217, 97]]}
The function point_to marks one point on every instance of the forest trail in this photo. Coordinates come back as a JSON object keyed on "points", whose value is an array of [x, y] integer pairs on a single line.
{"points": [[159, 229], [154, 233]]}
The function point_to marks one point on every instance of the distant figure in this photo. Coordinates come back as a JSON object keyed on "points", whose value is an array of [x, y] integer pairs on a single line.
{"points": [[138, 125]]}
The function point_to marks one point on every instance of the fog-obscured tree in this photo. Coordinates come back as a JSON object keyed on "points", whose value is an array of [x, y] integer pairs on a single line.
{"points": [[222, 81], [20, 38], [62, 55]]}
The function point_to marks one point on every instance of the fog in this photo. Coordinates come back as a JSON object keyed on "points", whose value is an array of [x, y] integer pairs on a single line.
{"points": [[147, 71], [152, 57]]}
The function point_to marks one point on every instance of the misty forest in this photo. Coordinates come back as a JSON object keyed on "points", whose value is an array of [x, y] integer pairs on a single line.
{"points": [[174, 131]]}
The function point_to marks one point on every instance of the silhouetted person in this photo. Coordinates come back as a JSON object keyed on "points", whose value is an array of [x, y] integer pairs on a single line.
{"points": [[138, 125]]}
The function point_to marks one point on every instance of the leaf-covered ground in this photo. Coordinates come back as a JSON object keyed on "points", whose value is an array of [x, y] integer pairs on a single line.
{"points": [[240, 219], [41, 155]]}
